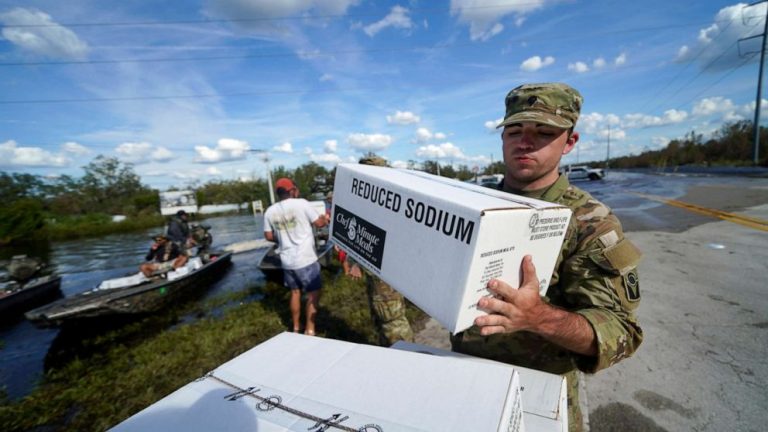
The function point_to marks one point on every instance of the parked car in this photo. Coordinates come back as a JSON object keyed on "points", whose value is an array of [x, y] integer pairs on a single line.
{"points": [[583, 172], [490, 181]]}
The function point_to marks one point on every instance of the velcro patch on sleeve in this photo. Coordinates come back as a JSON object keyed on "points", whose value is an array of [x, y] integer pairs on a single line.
{"points": [[624, 256]]}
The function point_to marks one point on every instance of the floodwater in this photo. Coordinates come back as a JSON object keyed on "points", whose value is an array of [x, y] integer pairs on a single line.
{"points": [[86, 262]]}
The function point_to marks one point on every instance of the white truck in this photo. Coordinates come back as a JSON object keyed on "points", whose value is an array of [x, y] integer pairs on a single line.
{"points": [[583, 172]]}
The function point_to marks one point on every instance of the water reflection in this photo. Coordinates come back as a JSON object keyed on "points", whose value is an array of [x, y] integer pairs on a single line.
{"points": [[86, 262]]}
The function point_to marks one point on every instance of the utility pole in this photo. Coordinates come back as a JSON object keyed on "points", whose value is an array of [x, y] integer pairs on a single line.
{"points": [[758, 98], [608, 155], [265, 158], [577, 153]]}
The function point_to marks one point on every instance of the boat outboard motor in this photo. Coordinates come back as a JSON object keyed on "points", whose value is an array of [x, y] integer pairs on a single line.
{"points": [[23, 268]]}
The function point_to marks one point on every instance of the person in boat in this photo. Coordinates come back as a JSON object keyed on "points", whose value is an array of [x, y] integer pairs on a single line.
{"points": [[178, 231], [289, 223], [586, 320], [387, 306], [163, 256]]}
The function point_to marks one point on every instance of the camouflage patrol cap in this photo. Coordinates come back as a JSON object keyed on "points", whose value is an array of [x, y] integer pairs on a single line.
{"points": [[553, 104], [373, 160]]}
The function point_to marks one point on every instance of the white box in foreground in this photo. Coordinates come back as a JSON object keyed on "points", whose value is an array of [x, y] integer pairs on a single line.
{"points": [[544, 395], [439, 241], [294, 382]]}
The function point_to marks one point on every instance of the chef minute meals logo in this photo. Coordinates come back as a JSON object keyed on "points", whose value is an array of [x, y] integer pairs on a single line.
{"points": [[359, 235]]}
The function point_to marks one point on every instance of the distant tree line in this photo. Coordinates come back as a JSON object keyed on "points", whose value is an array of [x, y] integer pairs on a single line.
{"points": [[33, 205], [731, 145]]}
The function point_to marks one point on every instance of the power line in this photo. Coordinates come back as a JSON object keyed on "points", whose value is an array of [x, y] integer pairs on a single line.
{"points": [[191, 96], [259, 19], [330, 53], [716, 82], [692, 61], [701, 72]]}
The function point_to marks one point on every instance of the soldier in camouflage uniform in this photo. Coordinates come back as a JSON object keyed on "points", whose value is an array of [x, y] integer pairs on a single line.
{"points": [[387, 305], [586, 321]]}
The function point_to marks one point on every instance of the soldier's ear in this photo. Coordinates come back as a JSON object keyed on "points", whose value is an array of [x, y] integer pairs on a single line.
{"points": [[570, 143]]}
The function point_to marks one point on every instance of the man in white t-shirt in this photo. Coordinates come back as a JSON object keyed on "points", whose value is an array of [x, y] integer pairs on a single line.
{"points": [[289, 223]]}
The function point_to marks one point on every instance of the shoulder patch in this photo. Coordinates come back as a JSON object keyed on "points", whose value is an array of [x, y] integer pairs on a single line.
{"points": [[632, 286]]}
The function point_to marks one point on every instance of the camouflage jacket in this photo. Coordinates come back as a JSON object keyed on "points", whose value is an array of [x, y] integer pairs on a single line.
{"points": [[595, 276]]}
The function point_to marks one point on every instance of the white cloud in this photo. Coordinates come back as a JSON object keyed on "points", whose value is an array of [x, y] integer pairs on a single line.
{"points": [[613, 133], [326, 158], [599, 63], [643, 120], [716, 48], [213, 171], [326, 77], [423, 135], [659, 142], [535, 63], [491, 124], [46, 38], [397, 18], [75, 148], [13, 155], [578, 67], [331, 146], [748, 110], [142, 152], [237, 9], [285, 147], [440, 151], [483, 16], [161, 154], [594, 122], [403, 118], [227, 149], [713, 105], [620, 60], [369, 142], [133, 152]]}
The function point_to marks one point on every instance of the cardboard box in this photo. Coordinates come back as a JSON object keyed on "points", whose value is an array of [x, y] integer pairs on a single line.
{"points": [[439, 241], [302, 383], [544, 395]]}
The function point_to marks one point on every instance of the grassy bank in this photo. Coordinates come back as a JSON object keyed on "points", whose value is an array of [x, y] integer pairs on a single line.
{"points": [[95, 225], [127, 369]]}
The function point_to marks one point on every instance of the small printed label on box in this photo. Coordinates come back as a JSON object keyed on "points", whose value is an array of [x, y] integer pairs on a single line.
{"points": [[363, 237], [547, 227]]}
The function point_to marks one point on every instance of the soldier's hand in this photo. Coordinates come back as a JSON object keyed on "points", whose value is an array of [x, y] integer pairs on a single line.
{"points": [[355, 272], [511, 309]]}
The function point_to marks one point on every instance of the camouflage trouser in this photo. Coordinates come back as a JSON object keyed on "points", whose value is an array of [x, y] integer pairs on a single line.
{"points": [[575, 419], [388, 312]]}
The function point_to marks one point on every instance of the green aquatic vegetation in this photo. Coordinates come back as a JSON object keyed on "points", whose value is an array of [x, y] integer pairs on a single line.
{"points": [[114, 374]]}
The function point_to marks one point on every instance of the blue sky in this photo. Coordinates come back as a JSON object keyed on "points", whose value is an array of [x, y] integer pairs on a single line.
{"points": [[184, 89]]}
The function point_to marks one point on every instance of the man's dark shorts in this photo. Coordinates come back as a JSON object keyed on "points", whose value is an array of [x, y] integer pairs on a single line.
{"points": [[306, 278]]}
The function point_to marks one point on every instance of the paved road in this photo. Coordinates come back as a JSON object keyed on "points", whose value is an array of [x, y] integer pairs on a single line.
{"points": [[704, 363]]}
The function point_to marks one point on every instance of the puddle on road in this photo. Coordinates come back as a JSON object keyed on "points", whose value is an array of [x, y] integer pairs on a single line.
{"points": [[656, 402], [618, 416]]}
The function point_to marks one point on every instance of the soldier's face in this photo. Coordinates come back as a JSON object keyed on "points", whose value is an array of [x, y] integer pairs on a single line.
{"points": [[532, 153]]}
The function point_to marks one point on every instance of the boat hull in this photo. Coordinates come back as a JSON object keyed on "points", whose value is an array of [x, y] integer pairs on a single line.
{"points": [[133, 300], [35, 293]]}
